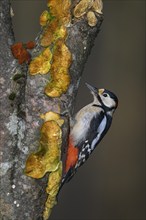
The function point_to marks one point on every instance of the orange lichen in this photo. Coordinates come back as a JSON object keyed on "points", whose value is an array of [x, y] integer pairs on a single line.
{"points": [[48, 156], [41, 64], [30, 45], [20, 53], [60, 78], [16, 49]]}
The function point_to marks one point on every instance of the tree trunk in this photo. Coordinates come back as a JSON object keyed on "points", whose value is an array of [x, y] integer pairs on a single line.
{"points": [[23, 197]]}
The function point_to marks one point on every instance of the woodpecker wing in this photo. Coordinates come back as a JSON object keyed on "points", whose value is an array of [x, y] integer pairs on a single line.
{"points": [[98, 128]]}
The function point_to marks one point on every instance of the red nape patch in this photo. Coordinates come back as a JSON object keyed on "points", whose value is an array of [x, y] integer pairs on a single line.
{"points": [[72, 156]]}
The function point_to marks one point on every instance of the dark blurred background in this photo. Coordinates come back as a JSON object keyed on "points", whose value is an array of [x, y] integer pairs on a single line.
{"points": [[111, 185]]}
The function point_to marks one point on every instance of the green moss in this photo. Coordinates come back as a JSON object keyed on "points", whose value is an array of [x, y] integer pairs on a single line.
{"points": [[18, 76], [12, 96]]}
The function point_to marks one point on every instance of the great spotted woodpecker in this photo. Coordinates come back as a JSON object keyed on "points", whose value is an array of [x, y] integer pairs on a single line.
{"points": [[90, 125]]}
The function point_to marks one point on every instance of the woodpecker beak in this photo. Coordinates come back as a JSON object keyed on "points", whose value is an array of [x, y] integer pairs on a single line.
{"points": [[93, 89]]}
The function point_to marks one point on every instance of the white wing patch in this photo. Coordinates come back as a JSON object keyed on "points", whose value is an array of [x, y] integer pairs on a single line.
{"points": [[87, 148], [99, 131]]}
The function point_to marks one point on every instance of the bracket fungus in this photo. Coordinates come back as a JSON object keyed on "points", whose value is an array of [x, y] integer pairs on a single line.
{"points": [[41, 64], [59, 71], [52, 190], [45, 16], [58, 57], [91, 8], [48, 158], [92, 20], [55, 59]]}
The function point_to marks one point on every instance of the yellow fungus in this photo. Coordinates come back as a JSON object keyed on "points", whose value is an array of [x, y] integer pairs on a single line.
{"points": [[44, 18], [97, 6], [56, 58], [61, 10], [52, 116], [52, 190], [60, 78], [41, 64], [48, 116], [92, 20], [48, 156], [82, 7], [57, 87], [56, 28], [54, 36], [52, 32], [88, 7]]}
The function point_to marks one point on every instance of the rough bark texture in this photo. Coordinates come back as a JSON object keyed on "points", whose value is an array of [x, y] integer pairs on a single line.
{"points": [[23, 197]]}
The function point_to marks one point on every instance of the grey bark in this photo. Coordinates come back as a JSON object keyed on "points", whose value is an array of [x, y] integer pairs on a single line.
{"points": [[23, 197]]}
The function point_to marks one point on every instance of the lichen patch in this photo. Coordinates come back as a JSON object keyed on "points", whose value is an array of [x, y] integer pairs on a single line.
{"points": [[12, 124], [4, 167]]}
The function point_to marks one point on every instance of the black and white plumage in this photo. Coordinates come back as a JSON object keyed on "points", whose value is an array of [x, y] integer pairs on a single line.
{"points": [[91, 123]]}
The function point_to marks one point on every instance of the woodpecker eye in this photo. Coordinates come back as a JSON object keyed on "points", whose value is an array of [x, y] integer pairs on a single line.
{"points": [[105, 94]]}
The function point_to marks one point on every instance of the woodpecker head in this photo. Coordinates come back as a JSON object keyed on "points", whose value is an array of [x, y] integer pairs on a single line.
{"points": [[108, 100]]}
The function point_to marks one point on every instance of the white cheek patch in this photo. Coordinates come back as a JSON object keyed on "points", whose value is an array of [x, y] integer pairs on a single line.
{"points": [[107, 101]]}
